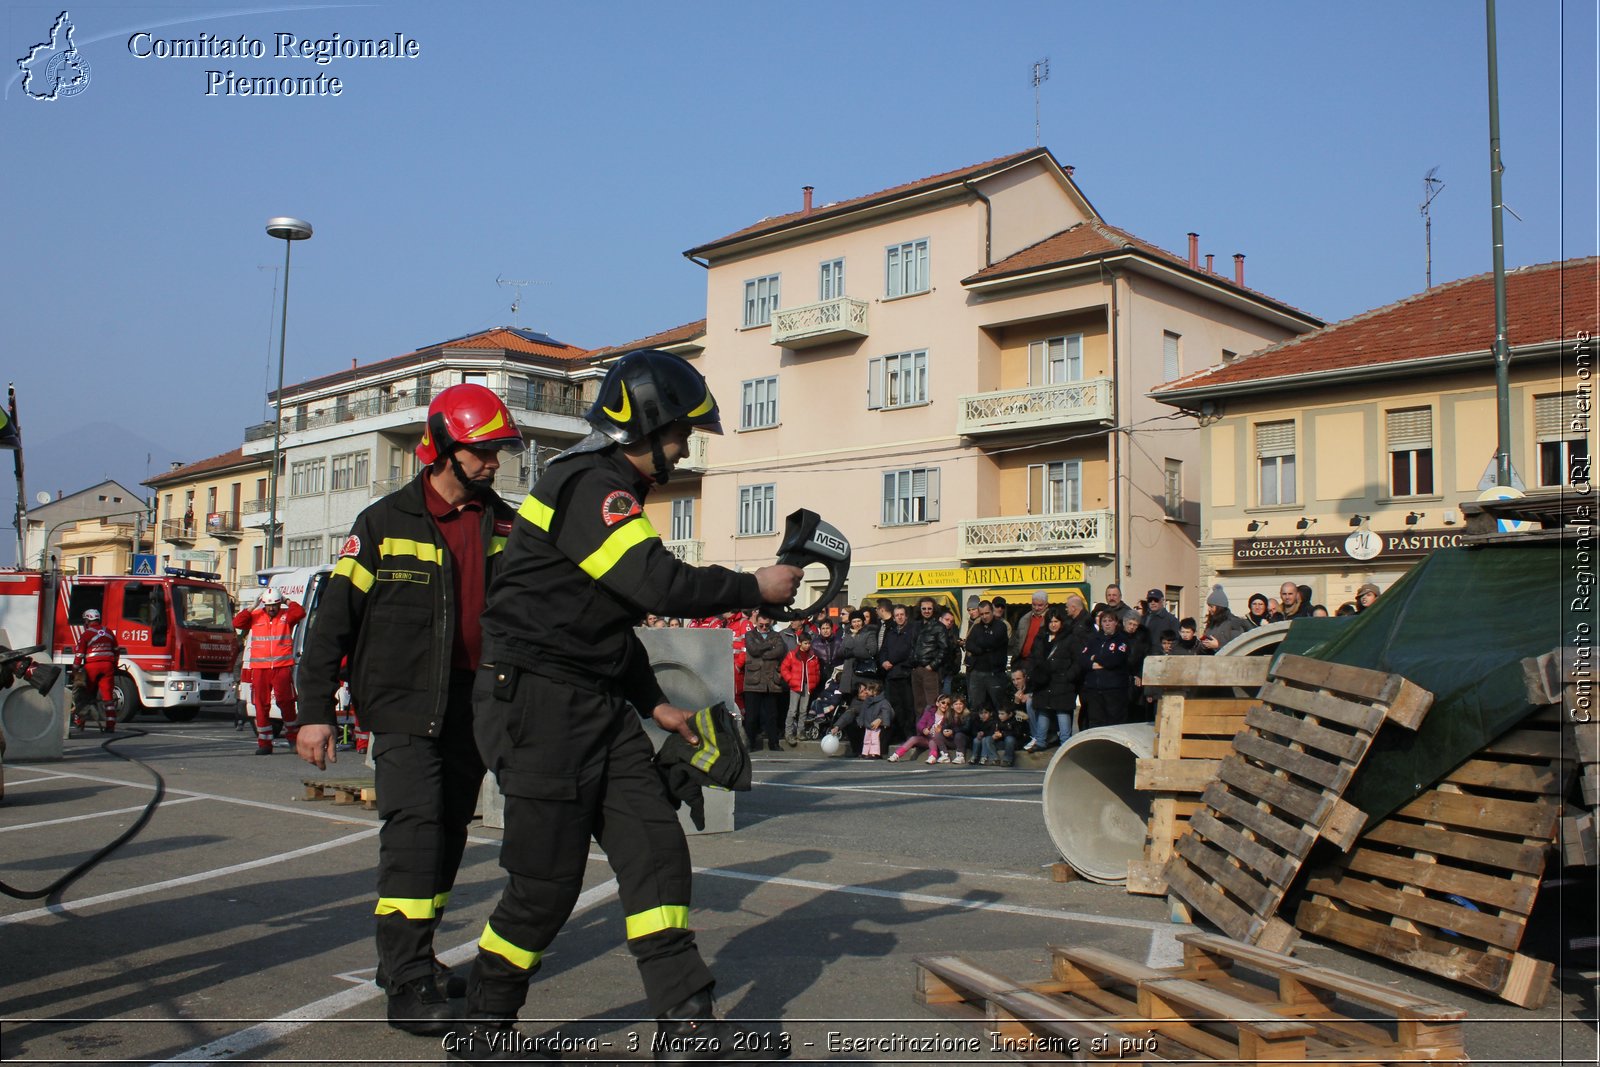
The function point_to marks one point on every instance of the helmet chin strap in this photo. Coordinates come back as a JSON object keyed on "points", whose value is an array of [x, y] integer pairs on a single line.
{"points": [[475, 486], [663, 471]]}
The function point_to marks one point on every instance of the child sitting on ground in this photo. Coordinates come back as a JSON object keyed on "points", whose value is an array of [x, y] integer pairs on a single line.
{"points": [[929, 735], [869, 713], [1004, 737]]}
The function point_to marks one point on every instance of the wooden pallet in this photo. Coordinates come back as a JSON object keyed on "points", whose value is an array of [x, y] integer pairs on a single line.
{"points": [[1446, 884], [1280, 791], [1195, 725], [361, 791], [1226, 1002]]}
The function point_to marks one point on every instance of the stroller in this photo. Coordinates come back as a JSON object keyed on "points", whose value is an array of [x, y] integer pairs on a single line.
{"points": [[825, 707]]}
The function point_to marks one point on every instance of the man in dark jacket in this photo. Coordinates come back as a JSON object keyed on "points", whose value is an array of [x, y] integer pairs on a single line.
{"points": [[765, 691], [403, 604], [928, 654], [1157, 619], [987, 644], [895, 650], [559, 700]]}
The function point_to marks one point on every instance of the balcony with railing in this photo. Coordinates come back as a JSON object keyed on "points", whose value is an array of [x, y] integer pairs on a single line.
{"points": [[332, 414], [225, 524], [822, 323], [1071, 533], [178, 531], [690, 552], [254, 514], [1037, 407]]}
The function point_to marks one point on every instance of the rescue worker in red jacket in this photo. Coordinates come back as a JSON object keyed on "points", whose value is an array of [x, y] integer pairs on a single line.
{"points": [[96, 660], [270, 626]]}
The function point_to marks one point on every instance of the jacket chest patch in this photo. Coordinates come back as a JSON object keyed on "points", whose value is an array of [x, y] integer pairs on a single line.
{"points": [[619, 506], [395, 574]]}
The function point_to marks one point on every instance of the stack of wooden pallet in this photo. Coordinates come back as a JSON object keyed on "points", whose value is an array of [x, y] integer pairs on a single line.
{"points": [[1280, 790], [1227, 1002], [1198, 713], [1446, 884]]}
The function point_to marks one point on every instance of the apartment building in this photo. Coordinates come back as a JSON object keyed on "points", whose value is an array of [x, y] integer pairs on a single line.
{"points": [[350, 437], [954, 372], [201, 510], [1343, 456]]}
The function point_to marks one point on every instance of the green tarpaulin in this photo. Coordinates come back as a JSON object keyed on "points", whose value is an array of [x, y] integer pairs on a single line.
{"points": [[1458, 624]]}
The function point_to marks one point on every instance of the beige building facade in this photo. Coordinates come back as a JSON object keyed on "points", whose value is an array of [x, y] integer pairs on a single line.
{"points": [[954, 372], [1344, 456], [201, 517]]}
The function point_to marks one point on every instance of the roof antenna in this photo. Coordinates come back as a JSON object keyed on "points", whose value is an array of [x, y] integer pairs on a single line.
{"points": [[516, 303], [1431, 187], [1041, 74]]}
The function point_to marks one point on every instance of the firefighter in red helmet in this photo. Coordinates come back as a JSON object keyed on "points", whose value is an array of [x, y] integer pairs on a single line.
{"points": [[270, 626], [403, 604], [582, 568]]}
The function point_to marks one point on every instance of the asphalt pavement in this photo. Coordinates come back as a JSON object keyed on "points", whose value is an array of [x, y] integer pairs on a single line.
{"points": [[236, 926]]}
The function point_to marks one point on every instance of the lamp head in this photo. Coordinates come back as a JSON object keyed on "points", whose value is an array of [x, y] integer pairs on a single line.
{"points": [[288, 229]]}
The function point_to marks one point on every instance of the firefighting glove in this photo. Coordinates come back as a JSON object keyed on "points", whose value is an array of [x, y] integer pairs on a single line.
{"points": [[720, 760]]}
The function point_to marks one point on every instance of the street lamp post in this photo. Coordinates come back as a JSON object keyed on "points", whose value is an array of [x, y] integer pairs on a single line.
{"points": [[289, 230]]}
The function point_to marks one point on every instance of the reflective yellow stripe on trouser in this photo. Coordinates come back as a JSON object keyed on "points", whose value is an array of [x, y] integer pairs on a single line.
{"points": [[665, 917], [410, 907], [517, 957]]}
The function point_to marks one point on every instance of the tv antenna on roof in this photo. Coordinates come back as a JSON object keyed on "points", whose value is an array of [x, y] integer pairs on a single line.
{"points": [[1431, 187], [1041, 74], [516, 303]]}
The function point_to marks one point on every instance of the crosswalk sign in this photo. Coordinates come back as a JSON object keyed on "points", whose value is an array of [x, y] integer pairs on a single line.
{"points": [[144, 565]]}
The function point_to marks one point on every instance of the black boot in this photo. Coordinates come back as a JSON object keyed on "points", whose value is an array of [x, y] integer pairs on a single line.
{"points": [[691, 1033], [484, 1040], [419, 1008], [451, 984]]}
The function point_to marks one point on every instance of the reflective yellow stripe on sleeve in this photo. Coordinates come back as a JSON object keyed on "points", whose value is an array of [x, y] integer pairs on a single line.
{"points": [[359, 576], [709, 749], [666, 917], [440, 901], [517, 957], [411, 908], [611, 551], [537, 512], [400, 546]]}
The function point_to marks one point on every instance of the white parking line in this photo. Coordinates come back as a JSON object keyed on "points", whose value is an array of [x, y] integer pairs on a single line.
{"points": [[188, 879], [252, 1038], [94, 815], [898, 793]]}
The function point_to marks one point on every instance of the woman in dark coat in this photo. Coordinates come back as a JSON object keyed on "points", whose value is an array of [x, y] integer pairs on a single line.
{"points": [[1057, 676], [1105, 679], [858, 651]]}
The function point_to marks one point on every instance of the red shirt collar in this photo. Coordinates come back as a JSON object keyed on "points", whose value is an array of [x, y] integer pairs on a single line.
{"points": [[439, 507]]}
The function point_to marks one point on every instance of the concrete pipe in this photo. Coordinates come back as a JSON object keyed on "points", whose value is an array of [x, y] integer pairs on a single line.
{"points": [[1094, 815]]}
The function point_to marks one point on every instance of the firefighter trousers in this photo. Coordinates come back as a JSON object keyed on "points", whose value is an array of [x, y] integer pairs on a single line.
{"points": [[575, 765], [427, 794]]}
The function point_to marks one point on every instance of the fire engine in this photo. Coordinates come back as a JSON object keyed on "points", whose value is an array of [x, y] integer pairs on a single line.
{"points": [[179, 652]]}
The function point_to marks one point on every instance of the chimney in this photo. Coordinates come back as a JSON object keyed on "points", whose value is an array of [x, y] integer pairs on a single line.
{"points": [[1194, 250], [353, 363], [1069, 169], [175, 465], [1238, 269], [1209, 268], [807, 190]]}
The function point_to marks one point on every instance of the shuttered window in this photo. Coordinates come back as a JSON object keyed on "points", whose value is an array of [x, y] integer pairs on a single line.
{"points": [[1275, 462], [1554, 416], [910, 496], [1170, 355], [1410, 436], [1410, 428], [1055, 360], [1560, 428], [897, 381], [1055, 488]]}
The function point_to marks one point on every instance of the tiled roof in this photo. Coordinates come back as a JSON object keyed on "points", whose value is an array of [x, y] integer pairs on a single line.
{"points": [[200, 468], [677, 335], [1091, 240], [1543, 303], [778, 222], [505, 338]]}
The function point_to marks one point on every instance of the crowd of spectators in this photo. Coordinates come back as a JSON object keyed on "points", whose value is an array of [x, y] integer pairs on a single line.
{"points": [[905, 681]]}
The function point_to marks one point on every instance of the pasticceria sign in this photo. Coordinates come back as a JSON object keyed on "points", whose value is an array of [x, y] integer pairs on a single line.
{"points": [[1361, 545], [956, 577]]}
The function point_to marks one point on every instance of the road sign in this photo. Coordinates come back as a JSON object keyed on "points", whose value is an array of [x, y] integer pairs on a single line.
{"points": [[1506, 492], [144, 565]]}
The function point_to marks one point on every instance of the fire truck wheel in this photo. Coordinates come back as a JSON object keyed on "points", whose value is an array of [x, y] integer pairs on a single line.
{"points": [[126, 694], [180, 714]]}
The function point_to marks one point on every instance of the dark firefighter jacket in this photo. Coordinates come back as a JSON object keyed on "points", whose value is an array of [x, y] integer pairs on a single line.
{"points": [[389, 606], [584, 566]]}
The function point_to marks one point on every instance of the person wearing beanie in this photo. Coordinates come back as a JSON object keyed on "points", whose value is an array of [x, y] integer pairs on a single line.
{"points": [[1222, 625], [1259, 612]]}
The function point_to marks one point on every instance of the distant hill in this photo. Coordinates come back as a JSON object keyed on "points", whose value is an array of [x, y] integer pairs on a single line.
{"points": [[65, 461]]}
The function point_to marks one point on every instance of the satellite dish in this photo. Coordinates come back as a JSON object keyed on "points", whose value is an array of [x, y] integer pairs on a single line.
{"points": [[42, 497]]}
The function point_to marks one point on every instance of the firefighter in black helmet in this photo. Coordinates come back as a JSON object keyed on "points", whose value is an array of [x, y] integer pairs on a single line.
{"points": [[562, 665]]}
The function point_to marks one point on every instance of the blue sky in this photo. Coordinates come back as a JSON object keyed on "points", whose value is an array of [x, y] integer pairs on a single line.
{"points": [[585, 146]]}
